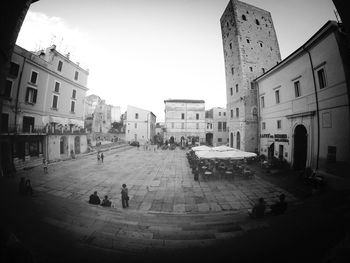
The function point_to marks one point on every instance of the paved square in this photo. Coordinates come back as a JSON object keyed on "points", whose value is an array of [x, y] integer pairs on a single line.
{"points": [[158, 181]]}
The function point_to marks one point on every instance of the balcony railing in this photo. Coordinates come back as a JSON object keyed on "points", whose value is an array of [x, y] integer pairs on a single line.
{"points": [[19, 129]]}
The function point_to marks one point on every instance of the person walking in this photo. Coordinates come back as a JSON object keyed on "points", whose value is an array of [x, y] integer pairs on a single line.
{"points": [[45, 166], [125, 196], [102, 156], [98, 157]]}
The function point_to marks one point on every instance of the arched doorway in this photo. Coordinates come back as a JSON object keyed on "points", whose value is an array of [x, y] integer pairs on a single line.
{"points": [[300, 147], [209, 138], [77, 144], [231, 140], [63, 145], [238, 140]]}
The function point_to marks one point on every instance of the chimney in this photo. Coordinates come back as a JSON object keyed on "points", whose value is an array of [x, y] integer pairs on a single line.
{"points": [[53, 47], [68, 55]]}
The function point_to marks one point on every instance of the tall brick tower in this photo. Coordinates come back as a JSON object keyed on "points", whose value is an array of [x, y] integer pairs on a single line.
{"points": [[250, 48]]}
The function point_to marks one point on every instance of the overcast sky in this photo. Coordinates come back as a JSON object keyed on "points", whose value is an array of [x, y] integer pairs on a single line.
{"points": [[141, 52]]}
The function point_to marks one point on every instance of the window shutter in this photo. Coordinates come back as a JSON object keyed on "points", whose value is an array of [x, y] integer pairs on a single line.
{"points": [[34, 95]]}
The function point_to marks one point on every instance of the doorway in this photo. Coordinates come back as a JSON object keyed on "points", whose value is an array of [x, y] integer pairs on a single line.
{"points": [[231, 140], [238, 141], [300, 147], [209, 138], [271, 151]]}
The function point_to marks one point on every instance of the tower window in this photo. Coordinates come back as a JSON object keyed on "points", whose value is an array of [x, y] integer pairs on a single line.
{"points": [[236, 88], [230, 45], [232, 70], [263, 70], [244, 18], [231, 91], [257, 22], [261, 44], [248, 41], [251, 69], [227, 24]]}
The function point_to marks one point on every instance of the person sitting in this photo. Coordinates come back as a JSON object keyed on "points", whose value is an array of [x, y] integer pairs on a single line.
{"points": [[106, 202], [22, 187], [280, 206], [28, 188], [94, 199], [258, 211]]}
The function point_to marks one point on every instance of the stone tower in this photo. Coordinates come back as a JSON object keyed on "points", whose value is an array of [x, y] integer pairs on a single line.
{"points": [[250, 49]]}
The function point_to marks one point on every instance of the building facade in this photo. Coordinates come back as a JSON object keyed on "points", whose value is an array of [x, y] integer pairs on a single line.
{"points": [[304, 104], [140, 125], [43, 107], [185, 121], [216, 127], [250, 48]]}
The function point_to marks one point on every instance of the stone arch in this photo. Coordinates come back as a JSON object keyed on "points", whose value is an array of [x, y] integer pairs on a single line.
{"points": [[63, 145]]}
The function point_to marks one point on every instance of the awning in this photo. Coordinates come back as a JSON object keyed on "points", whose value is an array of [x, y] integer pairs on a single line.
{"points": [[76, 122], [59, 120]]}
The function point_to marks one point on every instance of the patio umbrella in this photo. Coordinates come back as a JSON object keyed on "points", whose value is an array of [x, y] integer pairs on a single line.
{"points": [[201, 148], [233, 155], [223, 148]]}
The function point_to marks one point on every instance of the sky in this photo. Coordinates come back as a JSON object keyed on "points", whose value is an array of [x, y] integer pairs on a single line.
{"points": [[142, 52]]}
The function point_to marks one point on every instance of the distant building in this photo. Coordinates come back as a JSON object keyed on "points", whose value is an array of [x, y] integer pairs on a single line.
{"points": [[304, 104], [216, 127], [43, 107], [184, 121], [140, 125], [250, 49], [115, 113]]}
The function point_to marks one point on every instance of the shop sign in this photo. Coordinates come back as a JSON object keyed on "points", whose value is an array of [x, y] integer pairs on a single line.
{"points": [[281, 138], [266, 135]]}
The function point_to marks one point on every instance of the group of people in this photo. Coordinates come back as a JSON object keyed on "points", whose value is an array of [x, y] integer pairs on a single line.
{"points": [[100, 157], [259, 209], [95, 199], [25, 187]]}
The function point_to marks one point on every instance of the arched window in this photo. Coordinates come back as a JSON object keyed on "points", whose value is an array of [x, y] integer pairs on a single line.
{"points": [[244, 18], [257, 22]]}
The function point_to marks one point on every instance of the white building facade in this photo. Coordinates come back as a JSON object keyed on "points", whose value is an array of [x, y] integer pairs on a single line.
{"points": [[44, 109], [185, 121], [304, 104], [140, 125], [216, 127]]}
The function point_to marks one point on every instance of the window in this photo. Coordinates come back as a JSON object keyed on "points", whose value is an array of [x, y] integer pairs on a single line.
{"points": [[219, 113], [219, 126], [262, 99], [31, 95], [182, 125], [227, 24], [74, 94], [224, 126], [237, 112], [251, 69], [224, 113], [136, 115], [230, 45], [172, 125], [54, 102], [231, 91], [263, 70], [72, 106], [14, 69], [76, 75], [182, 116], [236, 88], [248, 41], [197, 116], [257, 22], [279, 124], [232, 71], [321, 78], [244, 18], [231, 113], [197, 126], [277, 96], [8, 88], [57, 87], [297, 89], [219, 139], [263, 125], [34, 77], [60, 64], [135, 125], [260, 44]]}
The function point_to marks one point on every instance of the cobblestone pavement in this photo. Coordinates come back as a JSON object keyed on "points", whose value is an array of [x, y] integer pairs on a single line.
{"points": [[169, 211]]}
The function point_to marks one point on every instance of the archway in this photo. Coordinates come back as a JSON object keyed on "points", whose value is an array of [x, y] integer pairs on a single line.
{"points": [[209, 138], [238, 141], [77, 144], [63, 145], [300, 147], [231, 140]]}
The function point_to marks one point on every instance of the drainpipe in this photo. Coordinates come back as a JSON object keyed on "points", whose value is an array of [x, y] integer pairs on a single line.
{"points": [[317, 109], [17, 95]]}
